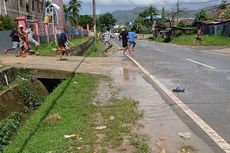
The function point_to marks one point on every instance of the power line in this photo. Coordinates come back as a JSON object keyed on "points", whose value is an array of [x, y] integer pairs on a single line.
{"points": [[200, 2]]}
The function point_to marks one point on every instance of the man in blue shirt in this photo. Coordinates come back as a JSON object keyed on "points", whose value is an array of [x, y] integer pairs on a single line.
{"points": [[131, 38]]}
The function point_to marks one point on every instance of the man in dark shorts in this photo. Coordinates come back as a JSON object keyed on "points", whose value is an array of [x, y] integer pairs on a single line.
{"points": [[124, 39], [15, 39], [62, 43]]}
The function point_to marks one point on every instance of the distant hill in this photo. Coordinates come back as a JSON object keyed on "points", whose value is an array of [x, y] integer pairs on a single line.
{"points": [[125, 16]]}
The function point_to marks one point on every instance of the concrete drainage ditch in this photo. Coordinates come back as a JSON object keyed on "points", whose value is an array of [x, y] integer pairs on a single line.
{"points": [[14, 92]]}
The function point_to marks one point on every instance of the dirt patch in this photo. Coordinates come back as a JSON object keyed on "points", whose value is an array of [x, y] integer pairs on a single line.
{"points": [[53, 118]]}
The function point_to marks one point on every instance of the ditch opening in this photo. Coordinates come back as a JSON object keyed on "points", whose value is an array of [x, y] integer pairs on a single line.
{"points": [[50, 84]]}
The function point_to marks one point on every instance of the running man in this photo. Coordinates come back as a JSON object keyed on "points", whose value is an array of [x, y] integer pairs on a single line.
{"points": [[106, 39], [198, 35], [132, 36], [15, 40], [31, 40], [62, 43], [124, 39], [23, 40]]}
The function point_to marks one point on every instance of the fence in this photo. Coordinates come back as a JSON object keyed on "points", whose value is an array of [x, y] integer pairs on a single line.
{"points": [[215, 29], [46, 32]]}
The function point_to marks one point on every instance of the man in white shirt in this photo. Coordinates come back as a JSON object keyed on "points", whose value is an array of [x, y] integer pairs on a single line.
{"points": [[106, 39]]}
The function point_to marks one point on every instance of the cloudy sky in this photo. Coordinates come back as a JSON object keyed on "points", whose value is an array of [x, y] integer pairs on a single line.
{"points": [[112, 5]]}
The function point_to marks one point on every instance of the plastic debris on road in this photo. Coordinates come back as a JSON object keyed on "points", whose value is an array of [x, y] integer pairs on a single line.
{"points": [[184, 135], [178, 89]]}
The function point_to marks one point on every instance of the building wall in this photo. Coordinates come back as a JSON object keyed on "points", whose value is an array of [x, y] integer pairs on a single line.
{"points": [[32, 9]]}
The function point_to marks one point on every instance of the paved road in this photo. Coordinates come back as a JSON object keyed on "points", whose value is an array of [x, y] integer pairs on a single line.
{"points": [[205, 76]]}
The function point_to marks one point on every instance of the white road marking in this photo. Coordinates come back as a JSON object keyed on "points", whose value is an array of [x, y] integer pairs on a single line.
{"points": [[211, 67], [223, 144], [159, 50]]}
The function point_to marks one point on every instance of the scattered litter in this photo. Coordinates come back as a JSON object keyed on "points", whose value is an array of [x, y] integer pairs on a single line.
{"points": [[162, 150], [75, 82], [70, 136], [101, 127], [79, 148], [24, 79], [184, 135], [53, 118], [111, 118], [178, 89], [158, 144]]}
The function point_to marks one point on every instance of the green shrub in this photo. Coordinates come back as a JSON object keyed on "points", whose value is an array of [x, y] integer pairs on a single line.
{"points": [[227, 14], [30, 94], [181, 24], [8, 128], [6, 23]]}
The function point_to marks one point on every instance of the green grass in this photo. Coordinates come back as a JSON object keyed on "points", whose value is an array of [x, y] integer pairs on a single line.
{"points": [[49, 50], [125, 113], [139, 143], [206, 40], [188, 149], [188, 40], [95, 51], [71, 100]]}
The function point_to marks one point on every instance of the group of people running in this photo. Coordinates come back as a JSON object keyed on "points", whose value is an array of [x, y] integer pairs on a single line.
{"points": [[126, 37], [21, 38]]}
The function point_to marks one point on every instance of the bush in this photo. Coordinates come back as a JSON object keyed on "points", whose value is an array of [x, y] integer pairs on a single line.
{"points": [[6, 23], [8, 127], [227, 14], [181, 24]]}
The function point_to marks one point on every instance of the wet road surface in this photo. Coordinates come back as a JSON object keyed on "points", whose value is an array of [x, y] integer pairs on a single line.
{"points": [[205, 76]]}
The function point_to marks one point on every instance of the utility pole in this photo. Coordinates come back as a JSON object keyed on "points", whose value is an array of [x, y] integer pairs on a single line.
{"points": [[177, 9], [94, 22]]}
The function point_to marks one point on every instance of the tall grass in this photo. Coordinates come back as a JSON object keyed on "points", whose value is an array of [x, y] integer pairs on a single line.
{"points": [[207, 40]]}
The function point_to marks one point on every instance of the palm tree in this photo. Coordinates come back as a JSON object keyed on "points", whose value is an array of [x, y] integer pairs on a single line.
{"points": [[65, 10], [73, 11]]}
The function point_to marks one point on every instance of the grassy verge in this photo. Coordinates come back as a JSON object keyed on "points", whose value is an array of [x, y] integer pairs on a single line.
{"points": [[71, 101], [139, 142], [125, 115], [70, 110], [95, 51], [49, 50], [207, 40]]}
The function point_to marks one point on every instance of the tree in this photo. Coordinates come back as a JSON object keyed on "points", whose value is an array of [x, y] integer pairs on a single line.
{"points": [[227, 14], [149, 12], [106, 20], [84, 20], [65, 10], [73, 11], [139, 24], [201, 16], [223, 4]]}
